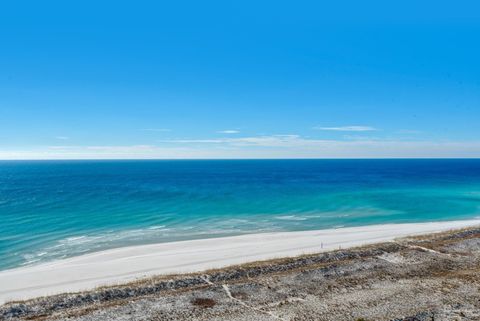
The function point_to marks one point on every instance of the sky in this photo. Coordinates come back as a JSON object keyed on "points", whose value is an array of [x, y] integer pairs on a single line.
{"points": [[239, 79]]}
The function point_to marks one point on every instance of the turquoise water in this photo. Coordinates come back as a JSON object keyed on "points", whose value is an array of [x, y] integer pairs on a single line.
{"points": [[57, 209]]}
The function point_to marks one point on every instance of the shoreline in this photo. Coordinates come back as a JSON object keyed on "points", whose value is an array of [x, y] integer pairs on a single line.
{"points": [[126, 264]]}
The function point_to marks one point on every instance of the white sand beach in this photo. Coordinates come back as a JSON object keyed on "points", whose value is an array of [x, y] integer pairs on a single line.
{"points": [[130, 263]]}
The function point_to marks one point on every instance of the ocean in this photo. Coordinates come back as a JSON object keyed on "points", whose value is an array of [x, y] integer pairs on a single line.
{"points": [[57, 209]]}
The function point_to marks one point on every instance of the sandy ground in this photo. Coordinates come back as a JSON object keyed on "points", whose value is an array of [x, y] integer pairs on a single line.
{"points": [[422, 278], [131, 263]]}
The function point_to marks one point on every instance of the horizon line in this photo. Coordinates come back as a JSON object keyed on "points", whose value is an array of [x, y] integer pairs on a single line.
{"points": [[202, 159]]}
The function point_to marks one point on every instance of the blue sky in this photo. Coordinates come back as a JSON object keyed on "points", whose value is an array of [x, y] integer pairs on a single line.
{"points": [[245, 79]]}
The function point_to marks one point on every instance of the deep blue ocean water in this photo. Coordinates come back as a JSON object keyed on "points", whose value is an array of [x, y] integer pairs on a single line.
{"points": [[57, 209]]}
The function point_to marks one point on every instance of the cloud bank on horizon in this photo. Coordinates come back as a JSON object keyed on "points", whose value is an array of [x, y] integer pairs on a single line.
{"points": [[262, 147]]}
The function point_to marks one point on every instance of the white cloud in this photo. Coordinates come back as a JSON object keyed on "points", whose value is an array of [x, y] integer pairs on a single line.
{"points": [[229, 131], [266, 141], [62, 137], [347, 128]]}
